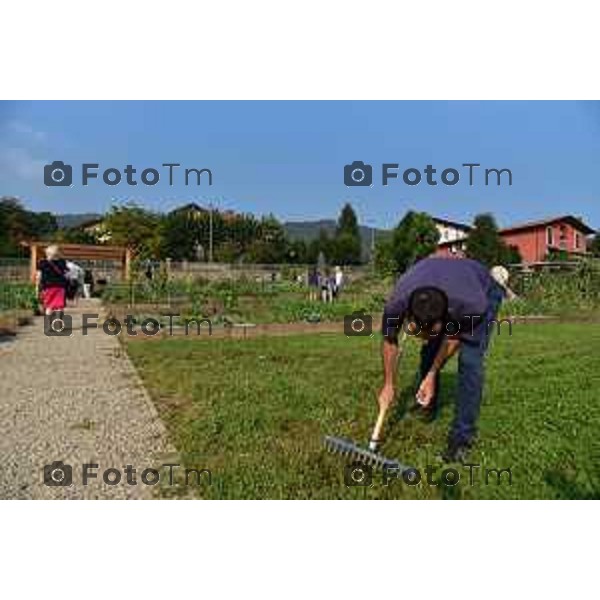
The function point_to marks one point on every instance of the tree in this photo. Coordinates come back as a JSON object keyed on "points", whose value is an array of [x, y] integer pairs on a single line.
{"points": [[297, 252], [485, 244], [74, 236], [271, 244], [415, 237], [15, 226], [595, 245], [179, 236], [347, 245], [321, 245], [510, 255], [384, 257], [42, 225], [136, 228]]}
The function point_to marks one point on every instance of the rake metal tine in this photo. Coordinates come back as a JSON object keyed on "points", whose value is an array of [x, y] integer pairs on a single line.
{"points": [[351, 451]]}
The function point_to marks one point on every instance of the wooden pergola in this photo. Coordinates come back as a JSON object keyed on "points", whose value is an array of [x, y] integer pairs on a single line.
{"points": [[76, 252]]}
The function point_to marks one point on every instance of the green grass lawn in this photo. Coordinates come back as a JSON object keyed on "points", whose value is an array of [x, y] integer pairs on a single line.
{"points": [[255, 411]]}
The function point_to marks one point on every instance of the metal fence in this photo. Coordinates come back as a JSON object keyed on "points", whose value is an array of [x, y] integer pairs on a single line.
{"points": [[559, 265], [256, 272], [14, 269]]}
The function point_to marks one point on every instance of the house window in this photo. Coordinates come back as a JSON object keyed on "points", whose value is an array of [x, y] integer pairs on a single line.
{"points": [[577, 240], [563, 238], [549, 236]]}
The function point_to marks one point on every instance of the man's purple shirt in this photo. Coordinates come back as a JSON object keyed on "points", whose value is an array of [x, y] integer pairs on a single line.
{"points": [[466, 283]]}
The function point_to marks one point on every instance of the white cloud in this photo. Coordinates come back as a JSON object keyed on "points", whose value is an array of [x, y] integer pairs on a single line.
{"points": [[21, 163], [26, 132]]}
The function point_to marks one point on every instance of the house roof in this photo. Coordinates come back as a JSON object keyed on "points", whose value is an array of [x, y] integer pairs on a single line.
{"points": [[190, 207], [570, 219], [89, 223], [449, 223]]}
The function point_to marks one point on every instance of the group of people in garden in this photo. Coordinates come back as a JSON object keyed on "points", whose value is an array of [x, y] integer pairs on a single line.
{"points": [[325, 286]]}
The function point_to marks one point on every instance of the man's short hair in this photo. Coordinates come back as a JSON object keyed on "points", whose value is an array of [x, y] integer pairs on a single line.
{"points": [[428, 305]]}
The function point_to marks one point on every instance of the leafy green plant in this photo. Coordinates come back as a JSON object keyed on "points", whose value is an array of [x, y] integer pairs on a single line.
{"points": [[560, 292], [15, 296]]}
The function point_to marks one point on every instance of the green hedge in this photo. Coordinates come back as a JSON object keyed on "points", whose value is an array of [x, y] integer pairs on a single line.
{"points": [[17, 296]]}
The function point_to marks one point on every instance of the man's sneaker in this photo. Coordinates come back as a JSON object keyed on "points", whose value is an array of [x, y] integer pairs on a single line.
{"points": [[456, 453], [427, 414]]}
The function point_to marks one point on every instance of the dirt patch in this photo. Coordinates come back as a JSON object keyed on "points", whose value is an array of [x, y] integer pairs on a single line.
{"points": [[242, 331]]}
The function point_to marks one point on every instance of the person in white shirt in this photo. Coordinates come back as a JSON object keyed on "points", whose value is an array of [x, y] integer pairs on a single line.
{"points": [[339, 280], [75, 276]]}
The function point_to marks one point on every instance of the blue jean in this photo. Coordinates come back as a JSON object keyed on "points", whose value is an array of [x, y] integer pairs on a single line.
{"points": [[470, 373]]}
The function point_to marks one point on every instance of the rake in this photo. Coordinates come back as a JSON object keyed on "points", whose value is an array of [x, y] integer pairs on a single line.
{"points": [[370, 455]]}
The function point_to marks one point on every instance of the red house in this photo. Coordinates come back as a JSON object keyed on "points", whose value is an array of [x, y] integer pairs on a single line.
{"points": [[537, 239]]}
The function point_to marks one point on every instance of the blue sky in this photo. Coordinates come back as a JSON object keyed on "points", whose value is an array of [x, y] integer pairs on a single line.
{"points": [[288, 157]]}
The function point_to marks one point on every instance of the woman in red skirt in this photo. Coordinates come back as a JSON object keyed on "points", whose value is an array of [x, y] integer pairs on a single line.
{"points": [[52, 281]]}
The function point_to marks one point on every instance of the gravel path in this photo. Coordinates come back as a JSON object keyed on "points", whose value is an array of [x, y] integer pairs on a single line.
{"points": [[77, 399]]}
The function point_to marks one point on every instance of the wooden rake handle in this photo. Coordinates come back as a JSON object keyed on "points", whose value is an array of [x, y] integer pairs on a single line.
{"points": [[376, 435], [374, 442]]}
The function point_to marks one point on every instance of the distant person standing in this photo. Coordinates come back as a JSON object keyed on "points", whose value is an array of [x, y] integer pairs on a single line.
{"points": [[332, 288], [51, 281], [149, 271], [313, 284], [326, 287], [88, 283], [339, 281], [74, 281]]}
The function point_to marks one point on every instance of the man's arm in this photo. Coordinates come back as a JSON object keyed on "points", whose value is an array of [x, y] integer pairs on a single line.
{"points": [[389, 352], [392, 320], [447, 350], [390, 356], [426, 390]]}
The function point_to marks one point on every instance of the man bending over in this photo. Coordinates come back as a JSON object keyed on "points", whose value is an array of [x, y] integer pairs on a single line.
{"points": [[451, 305]]}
